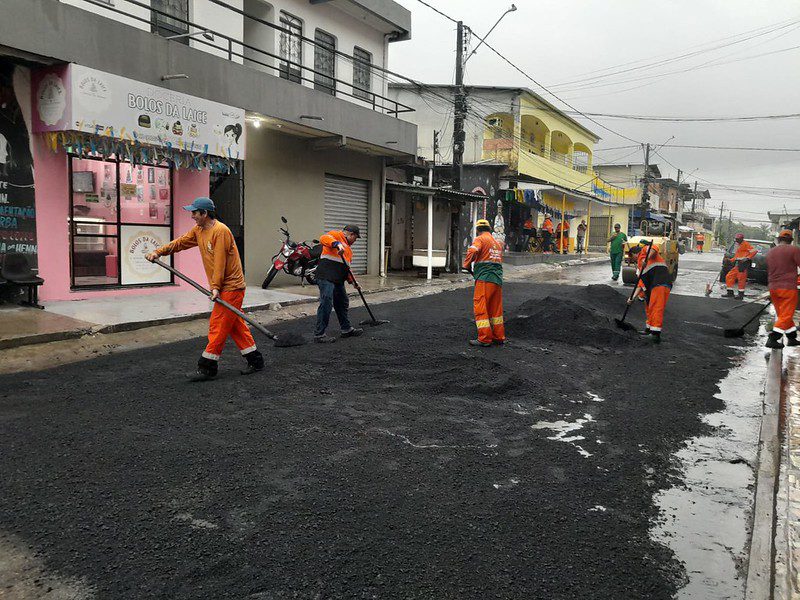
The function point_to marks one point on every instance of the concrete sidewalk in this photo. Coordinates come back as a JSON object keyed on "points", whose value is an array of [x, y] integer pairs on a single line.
{"points": [[73, 319]]}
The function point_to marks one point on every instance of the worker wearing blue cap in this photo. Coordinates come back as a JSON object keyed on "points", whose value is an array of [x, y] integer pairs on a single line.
{"points": [[226, 279]]}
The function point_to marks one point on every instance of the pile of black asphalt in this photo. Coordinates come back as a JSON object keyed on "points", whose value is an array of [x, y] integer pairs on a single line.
{"points": [[400, 464]]}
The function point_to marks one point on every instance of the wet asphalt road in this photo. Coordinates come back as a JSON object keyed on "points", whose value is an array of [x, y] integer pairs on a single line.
{"points": [[400, 465]]}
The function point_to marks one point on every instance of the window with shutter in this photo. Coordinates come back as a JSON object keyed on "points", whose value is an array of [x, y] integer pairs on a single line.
{"points": [[362, 74], [291, 47], [324, 62]]}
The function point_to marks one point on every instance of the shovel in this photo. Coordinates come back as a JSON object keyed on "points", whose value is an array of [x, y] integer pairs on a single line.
{"points": [[737, 333], [621, 322], [372, 321], [724, 313], [291, 339]]}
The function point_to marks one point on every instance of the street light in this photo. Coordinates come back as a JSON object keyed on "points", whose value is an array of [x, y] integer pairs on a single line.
{"points": [[512, 9], [206, 33]]}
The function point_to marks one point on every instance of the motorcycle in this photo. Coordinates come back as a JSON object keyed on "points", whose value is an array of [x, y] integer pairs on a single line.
{"points": [[297, 259]]}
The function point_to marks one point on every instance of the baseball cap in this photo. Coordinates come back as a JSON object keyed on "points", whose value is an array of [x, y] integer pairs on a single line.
{"points": [[738, 236], [201, 203], [353, 229], [786, 233]]}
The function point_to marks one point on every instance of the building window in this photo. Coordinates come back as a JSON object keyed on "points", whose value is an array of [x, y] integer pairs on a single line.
{"points": [[117, 211], [170, 19], [324, 62], [291, 47], [362, 74]]}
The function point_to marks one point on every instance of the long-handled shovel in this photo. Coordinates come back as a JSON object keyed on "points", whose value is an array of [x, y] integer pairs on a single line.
{"points": [[724, 313], [372, 321], [285, 341], [621, 322], [739, 332]]}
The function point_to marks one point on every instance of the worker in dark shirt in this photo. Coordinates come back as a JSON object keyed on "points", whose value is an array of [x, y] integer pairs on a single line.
{"points": [[782, 263]]}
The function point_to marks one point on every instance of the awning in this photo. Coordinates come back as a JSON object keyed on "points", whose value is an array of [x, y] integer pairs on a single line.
{"points": [[441, 192], [572, 195]]}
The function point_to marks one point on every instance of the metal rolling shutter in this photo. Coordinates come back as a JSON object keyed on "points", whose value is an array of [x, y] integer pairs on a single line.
{"points": [[347, 203]]}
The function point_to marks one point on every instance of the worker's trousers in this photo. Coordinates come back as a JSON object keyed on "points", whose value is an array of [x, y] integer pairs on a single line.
{"points": [[735, 276], [785, 303], [488, 305], [616, 263], [224, 323], [656, 303]]}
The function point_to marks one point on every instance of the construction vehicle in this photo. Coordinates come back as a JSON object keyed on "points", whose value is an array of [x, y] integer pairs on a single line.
{"points": [[664, 235]]}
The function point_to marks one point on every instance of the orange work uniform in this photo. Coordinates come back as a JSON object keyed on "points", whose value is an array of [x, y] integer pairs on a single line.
{"points": [[487, 255], [562, 231], [738, 274], [657, 284], [547, 234], [223, 268], [782, 263]]}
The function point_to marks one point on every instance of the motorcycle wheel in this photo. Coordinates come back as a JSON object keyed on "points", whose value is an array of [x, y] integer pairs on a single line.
{"points": [[270, 276], [311, 278]]}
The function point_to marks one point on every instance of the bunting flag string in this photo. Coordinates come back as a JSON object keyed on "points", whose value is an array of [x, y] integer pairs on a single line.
{"points": [[534, 200], [129, 148]]}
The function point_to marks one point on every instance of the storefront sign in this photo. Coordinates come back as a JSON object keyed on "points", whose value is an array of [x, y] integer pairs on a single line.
{"points": [[136, 241], [76, 98], [17, 207]]}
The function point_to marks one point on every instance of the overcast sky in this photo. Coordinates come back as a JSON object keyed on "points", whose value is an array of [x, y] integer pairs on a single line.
{"points": [[560, 41]]}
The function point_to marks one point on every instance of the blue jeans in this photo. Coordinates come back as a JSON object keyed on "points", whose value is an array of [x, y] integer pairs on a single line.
{"points": [[332, 296]]}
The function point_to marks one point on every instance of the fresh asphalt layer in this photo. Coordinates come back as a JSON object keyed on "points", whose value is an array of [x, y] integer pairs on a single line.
{"points": [[402, 464]]}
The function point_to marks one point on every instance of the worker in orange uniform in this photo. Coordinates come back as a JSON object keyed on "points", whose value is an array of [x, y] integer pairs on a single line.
{"points": [[332, 271], [547, 234], [485, 254], [657, 284], [782, 263], [223, 268], [700, 240], [562, 233], [743, 253]]}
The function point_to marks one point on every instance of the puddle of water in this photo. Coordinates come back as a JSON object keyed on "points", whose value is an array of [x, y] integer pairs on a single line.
{"points": [[706, 521], [562, 428]]}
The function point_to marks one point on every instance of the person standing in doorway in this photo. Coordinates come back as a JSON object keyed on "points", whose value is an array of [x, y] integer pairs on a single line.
{"points": [[485, 256], [333, 270], [616, 241], [223, 268], [782, 263], [562, 233], [547, 234], [580, 235]]}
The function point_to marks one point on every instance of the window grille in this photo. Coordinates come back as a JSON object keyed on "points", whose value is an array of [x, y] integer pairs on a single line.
{"points": [[362, 74], [291, 47], [170, 25], [324, 62]]}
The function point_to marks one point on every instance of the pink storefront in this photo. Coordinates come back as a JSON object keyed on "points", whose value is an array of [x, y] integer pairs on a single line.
{"points": [[114, 162]]}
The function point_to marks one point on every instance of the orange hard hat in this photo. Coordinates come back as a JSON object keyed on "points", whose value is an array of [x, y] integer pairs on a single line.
{"points": [[786, 234]]}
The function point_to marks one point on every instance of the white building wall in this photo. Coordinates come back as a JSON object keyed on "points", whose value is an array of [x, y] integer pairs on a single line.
{"points": [[349, 32]]}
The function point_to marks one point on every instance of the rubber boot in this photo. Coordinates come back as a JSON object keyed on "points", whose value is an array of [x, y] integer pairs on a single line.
{"points": [[479, 343], [740, 296], [655, 336], [206, 369], [791, 339], [728, 294], [774, 340], [255, 362], [645, 331]]}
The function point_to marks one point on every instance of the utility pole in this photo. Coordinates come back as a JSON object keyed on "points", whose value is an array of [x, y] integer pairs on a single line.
{"points": [[459, 110], [694, 196], [644, 204], [435, 146], [730, 225], [719, 223]]}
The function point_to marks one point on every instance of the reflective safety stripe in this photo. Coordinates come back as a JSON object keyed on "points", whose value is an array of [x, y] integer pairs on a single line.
{"points": [[473, 247], [496, 320], [483, 323], [334, 258], [654, 328], [248, 350], [778, 330], [210, 356], [653, 266], [790, 330]]}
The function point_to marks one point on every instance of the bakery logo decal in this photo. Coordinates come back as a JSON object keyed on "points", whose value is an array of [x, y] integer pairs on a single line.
{"points": [[51, 99], [140, 245], [157, 106], [95, 90]]}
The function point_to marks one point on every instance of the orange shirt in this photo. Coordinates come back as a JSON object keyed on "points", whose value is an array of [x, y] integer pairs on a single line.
{"points": [[547, 225], [219, 253], [331, 253], [745, 250]]}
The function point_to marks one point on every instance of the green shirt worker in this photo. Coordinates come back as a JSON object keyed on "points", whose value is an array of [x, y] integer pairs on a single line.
{"points": [[617, 239]]}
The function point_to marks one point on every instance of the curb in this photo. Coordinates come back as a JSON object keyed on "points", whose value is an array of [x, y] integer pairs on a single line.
{"points": [[760, 565]]}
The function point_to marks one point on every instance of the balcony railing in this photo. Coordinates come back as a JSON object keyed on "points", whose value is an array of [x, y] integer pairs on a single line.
{"points": [[234, 49]]}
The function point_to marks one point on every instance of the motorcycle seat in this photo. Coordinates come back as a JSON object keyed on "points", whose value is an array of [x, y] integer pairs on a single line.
{"points": [[316, 251]]}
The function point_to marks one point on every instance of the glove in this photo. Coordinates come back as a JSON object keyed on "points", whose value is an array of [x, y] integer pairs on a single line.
{"points": [[337, 245]]}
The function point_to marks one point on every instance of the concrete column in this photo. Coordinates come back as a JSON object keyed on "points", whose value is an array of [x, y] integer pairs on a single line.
{"points": [[430, 227], [571, 156], [547, 142]]}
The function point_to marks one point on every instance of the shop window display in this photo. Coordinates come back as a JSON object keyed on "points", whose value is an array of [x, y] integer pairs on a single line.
{"points": [[115, 204]]}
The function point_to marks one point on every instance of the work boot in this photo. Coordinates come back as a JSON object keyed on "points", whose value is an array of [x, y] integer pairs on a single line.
{"points": [[206, 370], [740, 296], [255, 362], [655, 337], [645, 331], [352, 332], [728, 294], [499, 342], [479, 343], [774, 340], [324, 339], [791, 339]]}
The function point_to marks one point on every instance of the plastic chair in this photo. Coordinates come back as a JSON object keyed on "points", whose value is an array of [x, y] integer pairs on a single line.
{"points": [[16, 270]]}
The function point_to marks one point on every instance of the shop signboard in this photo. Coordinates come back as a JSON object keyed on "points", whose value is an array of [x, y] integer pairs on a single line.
{"points": [[17, 201], [136, 241], [76, 98]]}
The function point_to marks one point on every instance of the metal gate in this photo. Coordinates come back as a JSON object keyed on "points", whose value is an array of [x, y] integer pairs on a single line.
{"points": [[347, 203], [598, 231]]}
